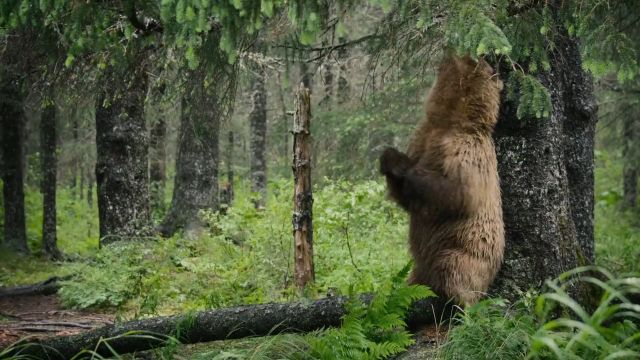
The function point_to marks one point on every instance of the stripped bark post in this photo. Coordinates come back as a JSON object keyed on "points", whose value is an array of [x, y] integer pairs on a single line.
{"points": [[302, 197]]}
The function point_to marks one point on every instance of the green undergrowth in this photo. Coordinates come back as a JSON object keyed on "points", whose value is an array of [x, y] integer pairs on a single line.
{"points": [[78, 231], [617, 230], [245, 256], [553, 325], [369, 331], [373, 331]]}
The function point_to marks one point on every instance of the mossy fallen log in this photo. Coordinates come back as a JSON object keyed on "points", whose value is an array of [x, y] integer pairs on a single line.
{"points": [[221, 324], [47, 287]]}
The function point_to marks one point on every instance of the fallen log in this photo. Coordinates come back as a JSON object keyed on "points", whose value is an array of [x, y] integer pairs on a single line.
{"points": [[47, 287], [223, 324]]}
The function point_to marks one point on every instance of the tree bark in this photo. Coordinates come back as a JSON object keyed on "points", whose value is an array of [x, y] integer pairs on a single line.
{"points": [[48, 139], [285, 122], [76, 141], [327, 77], [546, 170], [12, 121], [122, 145], [222, 324], [1, 152], [226, 193], [89, 189], [630, 183], [82, 180], [343, 83], [258, 121], [302, 197], [306, 75], [157, 159], [196, 179], [630, 158]]}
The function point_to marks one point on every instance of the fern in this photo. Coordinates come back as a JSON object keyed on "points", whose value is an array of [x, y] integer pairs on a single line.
{"points": [[373, 331]]}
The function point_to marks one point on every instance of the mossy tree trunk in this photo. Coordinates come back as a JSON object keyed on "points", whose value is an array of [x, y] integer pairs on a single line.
{"points": [[207, 99], [196, 179], [12, 122], [258, 133], [546, 169], [157, 162], [48, 149], [122, 144]]}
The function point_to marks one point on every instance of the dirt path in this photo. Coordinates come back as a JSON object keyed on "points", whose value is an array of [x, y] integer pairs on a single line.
{"points": [[43, 316]]}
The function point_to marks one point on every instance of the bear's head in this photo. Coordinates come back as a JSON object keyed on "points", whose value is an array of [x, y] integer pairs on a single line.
{"points": [[466, 92]]}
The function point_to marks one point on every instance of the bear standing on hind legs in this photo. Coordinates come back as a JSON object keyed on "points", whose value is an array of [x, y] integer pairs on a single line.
{"points": [[448, 183]]}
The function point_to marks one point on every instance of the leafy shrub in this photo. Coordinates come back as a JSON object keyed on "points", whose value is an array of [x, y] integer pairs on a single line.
{"points": [[247, 256], [110, 279], [491, 329], [555, 325], [610, 331]]}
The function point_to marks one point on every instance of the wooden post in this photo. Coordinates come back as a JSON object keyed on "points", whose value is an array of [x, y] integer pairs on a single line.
{"points": [[302, 197]]}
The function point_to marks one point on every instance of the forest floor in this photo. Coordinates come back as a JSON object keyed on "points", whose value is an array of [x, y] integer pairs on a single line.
{"points": [[43, 316]]}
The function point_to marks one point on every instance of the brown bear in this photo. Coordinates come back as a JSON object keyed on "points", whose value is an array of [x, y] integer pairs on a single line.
{"points": [[448, 182]]}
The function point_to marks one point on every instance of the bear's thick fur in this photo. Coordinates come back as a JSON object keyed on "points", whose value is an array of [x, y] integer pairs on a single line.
{"points": [[448, 182]]}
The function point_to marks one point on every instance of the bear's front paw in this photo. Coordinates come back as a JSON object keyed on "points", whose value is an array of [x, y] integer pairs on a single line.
{"points": [[393, 162]]}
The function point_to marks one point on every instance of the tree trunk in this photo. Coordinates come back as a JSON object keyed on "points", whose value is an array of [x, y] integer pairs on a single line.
{"points": [[327, 77], [630, 158], [302, 196], [226, 193], [343, 83], [1, 152], [258, 121], [285, 122], [630, 182], [82, 179], [89, 188], [49, 156], [122, 145], [76, 141], [12, 121], [196, 179], [546, 170], [222, 324], [157, 159], [306, 75], [230, 173]]}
